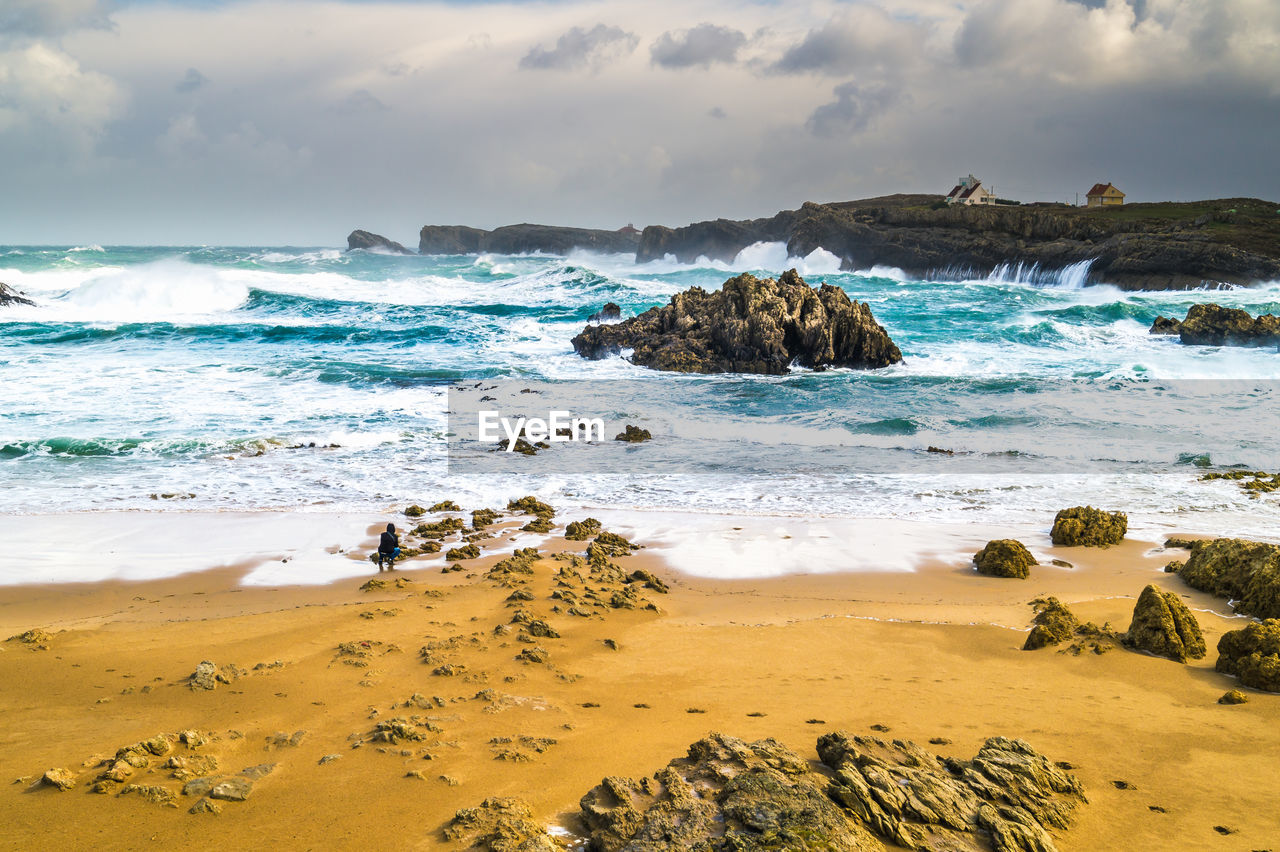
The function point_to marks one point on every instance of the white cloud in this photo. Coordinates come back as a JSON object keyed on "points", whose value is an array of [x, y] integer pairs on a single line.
{"points": [[50, 106]]}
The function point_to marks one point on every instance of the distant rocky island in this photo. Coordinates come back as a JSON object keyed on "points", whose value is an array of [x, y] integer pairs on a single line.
{"points": [[1157, 246]]}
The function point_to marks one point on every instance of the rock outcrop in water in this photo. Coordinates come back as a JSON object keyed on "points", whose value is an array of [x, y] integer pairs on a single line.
{"points": [[1136, 246], [1253, 655], [1162, 625], [523, 239], [1247, 573], [1088, 527], [750, 325], [369, 240], [10, 296], [1214, 325]]}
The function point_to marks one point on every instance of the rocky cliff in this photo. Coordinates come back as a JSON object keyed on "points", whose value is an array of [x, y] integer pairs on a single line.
{"points": [[523, 239], [1135, 246], [368, 240], [10, 296], [750, 325]]}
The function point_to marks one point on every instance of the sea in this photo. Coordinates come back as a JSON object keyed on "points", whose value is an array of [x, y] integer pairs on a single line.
{"points": [[232, 379]]}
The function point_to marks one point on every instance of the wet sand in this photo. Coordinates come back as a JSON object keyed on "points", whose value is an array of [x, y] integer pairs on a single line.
{"points": [[933, 652]]}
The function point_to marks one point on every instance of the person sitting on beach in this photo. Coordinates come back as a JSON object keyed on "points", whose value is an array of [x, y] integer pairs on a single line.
{"points": [[388, 548]]}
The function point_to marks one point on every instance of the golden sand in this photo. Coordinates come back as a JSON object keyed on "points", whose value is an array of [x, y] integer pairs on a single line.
{"points": [[930, 654]]}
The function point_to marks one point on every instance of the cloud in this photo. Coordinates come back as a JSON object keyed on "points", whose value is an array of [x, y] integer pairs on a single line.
{"points": [[853, 110], [1042, 98], [861, 38], [579, 48], [51, 18], [190, 81], [51, 106], [699, 46], [361, 101]]}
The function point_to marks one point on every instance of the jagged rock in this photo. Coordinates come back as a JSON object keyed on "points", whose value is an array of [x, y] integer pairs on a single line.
{"points": [[445, 506], [1245, 572], [368, 240], [480, 518], [633, 435], [10, 296], [531, 506], [523, 239], [1090, 527], [533, 655], [153, 793], [1166, 325], [500, 825], [649, 579], [611, 311], [414, 511], [1162, 625], [1252, 654], [199, 786], [582, 530], [748, 326], [205, 806], [205, 676], [382, 584], [1214, 325], [35, 639], [538, 525], [455, 554], [1054, 624], [725, 795], [1004, 557], [1009, 795], [232, 790], [1233, 696], [610, 544], [62, 779]]}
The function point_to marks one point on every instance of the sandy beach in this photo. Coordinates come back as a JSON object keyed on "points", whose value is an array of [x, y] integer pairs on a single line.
{"points": [[932, 652]]}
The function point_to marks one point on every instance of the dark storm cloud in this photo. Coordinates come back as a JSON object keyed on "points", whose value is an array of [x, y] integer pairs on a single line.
{"points": [[579, 48], [190, 81], [700, 46], [854, 108]]}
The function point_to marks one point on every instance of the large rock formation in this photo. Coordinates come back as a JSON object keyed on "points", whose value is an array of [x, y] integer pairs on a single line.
{"points": [[1005, 557], [1009, 796], [523, 239], [377, 242], [1087, 526], [1214, 325], [748, 326], [10, 296], [1245, 572], [1139, 246], [1252, 654], [726, 795], [1162, 625]]}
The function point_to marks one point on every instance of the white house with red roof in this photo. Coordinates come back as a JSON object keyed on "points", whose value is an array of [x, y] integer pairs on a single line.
{"points": [[969, 190]]}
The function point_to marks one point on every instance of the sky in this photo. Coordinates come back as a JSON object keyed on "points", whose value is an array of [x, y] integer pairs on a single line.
{"points": [[283, 122]]}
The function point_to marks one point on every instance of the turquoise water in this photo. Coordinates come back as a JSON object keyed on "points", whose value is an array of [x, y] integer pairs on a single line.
{"points": [[207, 374]]}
